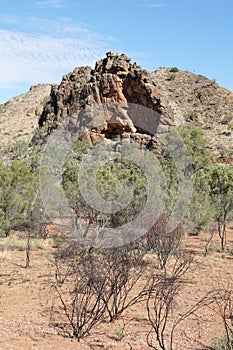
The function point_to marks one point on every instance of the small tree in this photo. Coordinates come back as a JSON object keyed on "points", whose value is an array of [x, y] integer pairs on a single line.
{"points": [[107, 178], [17, 189], [200, 212], [196, 142], [221, 191]]}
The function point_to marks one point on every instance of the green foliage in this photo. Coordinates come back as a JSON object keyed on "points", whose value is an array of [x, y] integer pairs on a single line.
{"points": [[230, 126], [17, 189], [171, 76], [200, 211], [58, 240], [221, 189], [42, 131], [133, 178], [107, 179], [212, 192], [212, 82], [174, 70], [192, 115], [79, 149], [220, 179], [29, 155], [46, 100], [196, 143], [70, 175], [227, 119], [227, 152], [172, 186], [119, 330], [221, 344], [212, 198]]}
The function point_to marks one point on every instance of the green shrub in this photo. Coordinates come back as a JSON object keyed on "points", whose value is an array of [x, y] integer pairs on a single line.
{"points": [[46, 100], [171, 76], [221, 344], [230, 251], [230, 126], [227, 119], [174, 70], [58, 240], [219, 250]]}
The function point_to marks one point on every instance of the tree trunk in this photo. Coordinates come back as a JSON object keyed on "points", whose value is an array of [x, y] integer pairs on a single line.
{"points": [[28, 247]]}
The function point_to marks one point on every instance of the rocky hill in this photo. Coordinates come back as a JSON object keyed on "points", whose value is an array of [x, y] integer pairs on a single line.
{"points": [[195, 99], [169, 96], [19, 116], [117, 83]]}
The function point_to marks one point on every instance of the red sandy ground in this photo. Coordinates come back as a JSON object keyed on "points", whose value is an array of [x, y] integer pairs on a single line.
{"points": [[26, 298]]}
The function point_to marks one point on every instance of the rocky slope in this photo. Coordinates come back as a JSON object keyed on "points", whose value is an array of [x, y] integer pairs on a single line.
{"points": [[120, 99], [195, 99], [19, 116]]}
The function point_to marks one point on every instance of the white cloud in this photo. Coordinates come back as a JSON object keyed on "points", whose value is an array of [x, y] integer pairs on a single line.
{"points": [[154, 5], [43, 57], [59, 26], [151, 5], [50, 3]]}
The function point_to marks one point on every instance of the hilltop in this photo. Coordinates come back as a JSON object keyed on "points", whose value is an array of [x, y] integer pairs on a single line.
{"points": [[178, 97]]}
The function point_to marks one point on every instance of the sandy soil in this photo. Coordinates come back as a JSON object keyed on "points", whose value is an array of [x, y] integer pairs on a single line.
{"points": [[26, 298]]}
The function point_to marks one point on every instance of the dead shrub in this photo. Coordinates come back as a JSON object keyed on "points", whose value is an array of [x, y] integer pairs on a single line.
{"points": [[79, 287], [163, 242]]}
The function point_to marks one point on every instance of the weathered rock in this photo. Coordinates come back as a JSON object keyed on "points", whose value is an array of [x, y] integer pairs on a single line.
{"points": [[102, 100]]}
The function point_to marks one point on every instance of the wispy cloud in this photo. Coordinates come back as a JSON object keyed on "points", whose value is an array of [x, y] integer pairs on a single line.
{"points": [[50, 3], [150, 4], [44, 57], [59, 27], [154, 5]]}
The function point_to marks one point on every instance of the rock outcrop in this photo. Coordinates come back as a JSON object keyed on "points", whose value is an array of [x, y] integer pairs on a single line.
{"points": [[117, 98]]}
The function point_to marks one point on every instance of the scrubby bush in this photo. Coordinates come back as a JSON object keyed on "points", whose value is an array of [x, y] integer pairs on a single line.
{"points": [[174, 70], [162, 241], [79, 287]]}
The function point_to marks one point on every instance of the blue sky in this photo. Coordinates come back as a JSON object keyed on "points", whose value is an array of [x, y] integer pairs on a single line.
{"points": [[41, 40]]}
